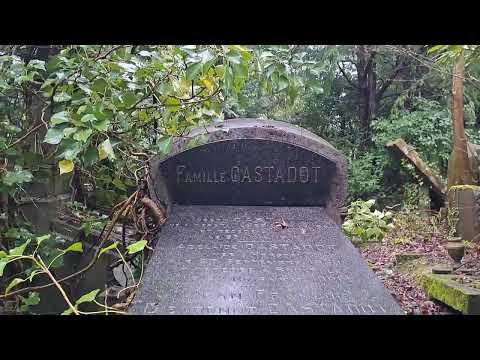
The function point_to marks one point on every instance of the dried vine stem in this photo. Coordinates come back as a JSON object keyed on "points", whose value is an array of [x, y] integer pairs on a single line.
{"points": [[156, 211]]}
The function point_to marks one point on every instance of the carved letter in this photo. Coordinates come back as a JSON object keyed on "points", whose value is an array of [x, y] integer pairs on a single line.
{"points": [[222, 177], [235, 174], [197, 177], [180, 170], [270, 168], [246, 175], [292, 178], [258, 174], [279, 175], [316, 168], [303, 174]]}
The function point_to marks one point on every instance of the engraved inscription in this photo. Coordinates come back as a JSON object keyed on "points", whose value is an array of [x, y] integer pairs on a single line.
{"points": [[270, 307], [249, 174], [231, 260]]}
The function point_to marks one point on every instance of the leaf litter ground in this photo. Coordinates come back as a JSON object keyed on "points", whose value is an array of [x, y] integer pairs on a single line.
{"points": [[422, 237]]}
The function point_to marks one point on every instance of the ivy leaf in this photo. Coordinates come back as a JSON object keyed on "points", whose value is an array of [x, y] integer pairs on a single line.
{"points": [[119, 184], [89, 297], [35, 272], [136, 247], [234, 57], [61, 97], [88, 118], [85, 89], [33, 299], [172, 104], [53, 136], [102, 154], [37, 64], [99, 85], [165, 145], [142, 115], [145, 53], [17, 177], [67, 312], [82, 135], [71, 151], [13, 233], [105, 150], [59, 118], [69, 131], [3, 263], [14, 283], [18, 251], [65, 166], [91, 156], [76, 247], [193, 70], [101, 126], [108, 248], [207, 81], [282, 83], [40, 239], [128, 99]]}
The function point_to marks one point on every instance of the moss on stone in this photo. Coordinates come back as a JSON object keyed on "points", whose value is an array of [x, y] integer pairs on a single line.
{"points": [[441, 287], [464, 187]]}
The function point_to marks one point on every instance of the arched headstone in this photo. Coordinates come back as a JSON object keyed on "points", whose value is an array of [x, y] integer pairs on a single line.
{"points": [[253, 227]]}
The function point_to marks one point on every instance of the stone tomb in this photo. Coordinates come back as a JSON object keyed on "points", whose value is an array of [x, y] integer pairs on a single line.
{"points": [[253, 228]]}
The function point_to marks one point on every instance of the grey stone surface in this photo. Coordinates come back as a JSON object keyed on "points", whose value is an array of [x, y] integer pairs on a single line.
{"points": [[257, 260]]}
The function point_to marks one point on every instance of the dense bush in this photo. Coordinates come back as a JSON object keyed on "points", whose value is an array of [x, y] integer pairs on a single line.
{"points": [[428, 128], [363, 224], [365, 175]]}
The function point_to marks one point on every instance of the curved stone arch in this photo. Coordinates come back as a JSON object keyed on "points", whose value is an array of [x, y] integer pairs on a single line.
{"points": [[268, 130]]}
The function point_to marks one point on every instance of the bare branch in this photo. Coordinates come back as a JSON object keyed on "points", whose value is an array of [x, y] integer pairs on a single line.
{"points": [[346, 77]]}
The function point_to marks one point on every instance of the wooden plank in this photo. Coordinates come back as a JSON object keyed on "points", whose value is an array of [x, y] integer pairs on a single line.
{"points": [[425, 172]]}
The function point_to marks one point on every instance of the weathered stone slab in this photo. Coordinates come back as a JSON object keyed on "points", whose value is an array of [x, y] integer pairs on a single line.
{"points": [[257, 260], [464, 202], [443, 288]]}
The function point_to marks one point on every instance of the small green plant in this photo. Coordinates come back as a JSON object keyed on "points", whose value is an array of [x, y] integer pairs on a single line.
{"points": [[452, 221], [35, 251], [363, 224], [401, 240]]}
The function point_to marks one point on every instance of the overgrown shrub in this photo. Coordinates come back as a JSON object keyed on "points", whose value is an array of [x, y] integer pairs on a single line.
{"points": [[363, 224], [428, 128], [365, 175]]}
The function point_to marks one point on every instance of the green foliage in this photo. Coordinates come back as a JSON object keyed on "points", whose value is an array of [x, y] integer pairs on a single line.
{"points": [[363, 224], [32, 299], [104, 104], [87, 298], [11, 181], [32, 248], [365, 175], [136, 247]]}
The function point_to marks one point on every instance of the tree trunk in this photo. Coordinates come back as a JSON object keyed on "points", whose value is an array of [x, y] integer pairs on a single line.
{"points": [[459, 171], [367, 82]]}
